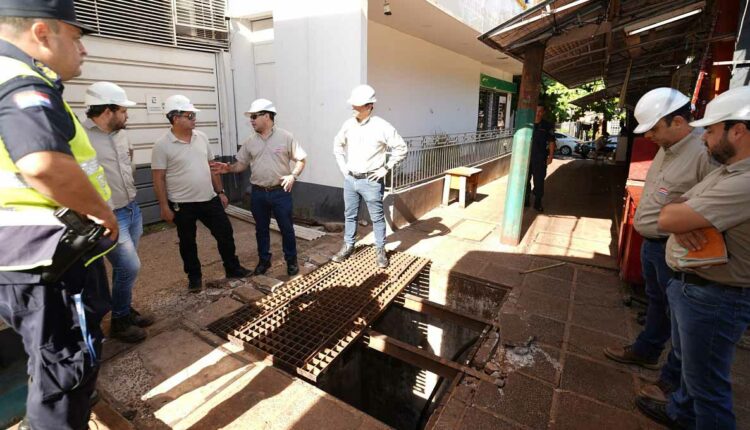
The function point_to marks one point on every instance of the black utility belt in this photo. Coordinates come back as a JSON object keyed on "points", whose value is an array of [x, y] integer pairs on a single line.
{"points": [[80, 239], [267, 189]]}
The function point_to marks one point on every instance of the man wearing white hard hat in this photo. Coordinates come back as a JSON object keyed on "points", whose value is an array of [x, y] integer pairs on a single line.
{"points": [[107, 114], [663, 115], [188, 192], [269, 153], [360, 150], [710, 304]]}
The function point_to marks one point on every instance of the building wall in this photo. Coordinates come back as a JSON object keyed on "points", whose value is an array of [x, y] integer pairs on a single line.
{"points": [[422, 89]]}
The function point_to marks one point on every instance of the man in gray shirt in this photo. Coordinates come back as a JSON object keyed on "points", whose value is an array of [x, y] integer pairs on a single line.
{"points": [[360, 150], [107, 114], [269, 154], [188, 192]]}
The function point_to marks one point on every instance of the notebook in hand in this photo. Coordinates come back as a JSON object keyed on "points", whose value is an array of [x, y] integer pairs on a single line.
{"points": [[713, 253]]}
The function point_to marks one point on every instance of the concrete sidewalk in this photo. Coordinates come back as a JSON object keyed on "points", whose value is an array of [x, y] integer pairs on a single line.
{"points": [[554, 324]]}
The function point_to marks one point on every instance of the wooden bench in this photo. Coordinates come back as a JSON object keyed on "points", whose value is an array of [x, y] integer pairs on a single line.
{"points": [[463, 179]]}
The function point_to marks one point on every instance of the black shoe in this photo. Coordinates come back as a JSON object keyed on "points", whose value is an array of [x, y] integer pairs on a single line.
{"points": [[123, 329], [656, 411], [345, 252], [381, 258], [239, 272], [195, 285], [262, 267], [292, 268], [140, 320]]}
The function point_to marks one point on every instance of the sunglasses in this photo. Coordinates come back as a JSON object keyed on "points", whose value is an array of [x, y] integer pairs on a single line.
{"points": [[188, 115], [256, 115]]}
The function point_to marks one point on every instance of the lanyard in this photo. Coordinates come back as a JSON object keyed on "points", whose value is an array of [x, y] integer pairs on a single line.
{"points": [[84, 329]]}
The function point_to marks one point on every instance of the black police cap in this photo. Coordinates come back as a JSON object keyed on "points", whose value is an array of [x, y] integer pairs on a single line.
{"points": [[63, 10]]}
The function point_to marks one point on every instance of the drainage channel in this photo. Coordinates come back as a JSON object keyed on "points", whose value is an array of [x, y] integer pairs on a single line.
{"points": [[365, 334]]}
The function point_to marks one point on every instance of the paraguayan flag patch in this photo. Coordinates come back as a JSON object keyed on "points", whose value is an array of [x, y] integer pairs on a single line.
{"points": [[27, 99]]}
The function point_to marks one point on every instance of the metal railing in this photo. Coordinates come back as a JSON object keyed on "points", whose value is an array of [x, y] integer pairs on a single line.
{"points": [[429, 157]]}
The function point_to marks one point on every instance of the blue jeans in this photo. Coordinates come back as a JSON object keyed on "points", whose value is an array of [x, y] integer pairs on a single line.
{"points": [[279, 203], [124, 258], [707, 323], [372, 192], [657, 330]]}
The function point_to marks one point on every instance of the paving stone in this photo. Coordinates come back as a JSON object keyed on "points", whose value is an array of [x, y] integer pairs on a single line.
{"points": [[333, 227], [742, 414], [318, 259], [326, 414], [564, 272], [600, 295], [589, 342], [741, 390], [523, 399], [546, 364], [515, 329], [498, 273], [248, 294], [266, 282], [578, 413], [601, 318], [607, 384], [213, 312], [598, 278], [546, 285], [450, 415], [544, 305], [515, 261], [741, 363], [480, 420]]}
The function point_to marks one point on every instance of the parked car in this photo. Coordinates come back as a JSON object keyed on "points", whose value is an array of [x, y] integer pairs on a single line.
{"points": [[585, 148], [566, 144]]}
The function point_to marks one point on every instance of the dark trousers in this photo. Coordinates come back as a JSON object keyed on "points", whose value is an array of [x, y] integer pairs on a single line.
{"points": [[212, 215], [658, 328], [62, 375], [537, 172], [278, 203]]}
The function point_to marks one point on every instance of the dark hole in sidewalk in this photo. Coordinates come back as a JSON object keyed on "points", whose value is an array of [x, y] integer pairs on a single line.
{"points": [[398, 393]]}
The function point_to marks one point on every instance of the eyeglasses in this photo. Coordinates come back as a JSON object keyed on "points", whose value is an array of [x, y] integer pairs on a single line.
{"points": [[188, 115], [255, 115]]}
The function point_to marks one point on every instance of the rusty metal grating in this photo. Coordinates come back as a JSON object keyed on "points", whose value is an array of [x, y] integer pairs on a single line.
{"points": [[304, 325]]}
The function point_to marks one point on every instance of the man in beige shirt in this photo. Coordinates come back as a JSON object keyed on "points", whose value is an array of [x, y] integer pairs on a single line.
{"points": [[269, 153], [107, 115], [681, 162], [710, 305]]}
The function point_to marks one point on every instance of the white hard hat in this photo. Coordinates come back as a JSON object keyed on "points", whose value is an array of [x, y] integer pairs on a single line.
{"points": [[178, 103], [362, 95], [261, 105], [107, 93], [730, 105], [655, 105]]}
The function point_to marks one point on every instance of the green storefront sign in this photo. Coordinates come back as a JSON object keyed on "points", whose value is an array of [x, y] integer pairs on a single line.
{"points": [[486, 81]]}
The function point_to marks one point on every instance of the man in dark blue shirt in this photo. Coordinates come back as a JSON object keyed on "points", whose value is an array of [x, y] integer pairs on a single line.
{"points": [[542, 152]]}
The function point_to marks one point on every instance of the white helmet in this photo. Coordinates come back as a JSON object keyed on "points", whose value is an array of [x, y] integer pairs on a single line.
{"points": [[178, 103], [261, 105], [655, 105], [362, 95], [733, 104], [107, 93]]}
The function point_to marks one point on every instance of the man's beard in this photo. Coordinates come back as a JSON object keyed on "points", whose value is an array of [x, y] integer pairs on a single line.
{"points": [[723, 150], [115, 125]]}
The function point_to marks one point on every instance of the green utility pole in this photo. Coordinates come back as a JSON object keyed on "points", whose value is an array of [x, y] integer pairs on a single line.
{"points": [[531, 81]]}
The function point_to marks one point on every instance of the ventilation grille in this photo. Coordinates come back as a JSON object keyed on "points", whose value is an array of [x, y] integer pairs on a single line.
{"points": [[191, 24]]}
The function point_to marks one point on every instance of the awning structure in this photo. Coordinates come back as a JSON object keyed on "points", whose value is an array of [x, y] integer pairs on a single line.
{"points": [[636, 45]]}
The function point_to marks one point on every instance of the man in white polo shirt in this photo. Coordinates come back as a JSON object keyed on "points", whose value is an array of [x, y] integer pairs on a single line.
{"points": [[107, 114], [269, 152], [188, 192]]}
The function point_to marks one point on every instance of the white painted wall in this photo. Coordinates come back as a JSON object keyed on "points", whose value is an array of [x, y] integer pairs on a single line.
{"points": [[421, 88], [320, 55]]}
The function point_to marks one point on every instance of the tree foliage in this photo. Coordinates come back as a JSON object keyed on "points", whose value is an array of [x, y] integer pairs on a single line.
{"points": [[557, 99]]}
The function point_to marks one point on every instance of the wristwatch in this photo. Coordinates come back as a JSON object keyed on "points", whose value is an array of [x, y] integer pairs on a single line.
{"points": [[220, 192]]}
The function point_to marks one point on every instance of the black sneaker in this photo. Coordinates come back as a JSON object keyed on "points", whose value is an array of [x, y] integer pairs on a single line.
{"points": [[262, 267], [239, 272], [656, 411], [345, 252], [292, 268], [381, 258], [123, 329], [140, 320], [195, 285]]}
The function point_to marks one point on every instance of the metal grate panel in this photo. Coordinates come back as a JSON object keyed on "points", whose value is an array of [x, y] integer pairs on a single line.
{"points": [[307, 323]]}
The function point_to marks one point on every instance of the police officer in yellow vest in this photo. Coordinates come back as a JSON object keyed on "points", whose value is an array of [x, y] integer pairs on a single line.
{"points": [[47, 162]]}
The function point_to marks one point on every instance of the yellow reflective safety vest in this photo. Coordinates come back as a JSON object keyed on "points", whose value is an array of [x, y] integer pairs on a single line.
{"points": [[21, 206]]}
